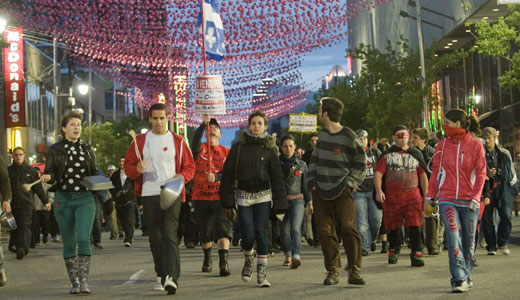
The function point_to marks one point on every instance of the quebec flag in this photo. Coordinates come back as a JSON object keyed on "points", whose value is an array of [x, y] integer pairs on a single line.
{"points": [[214, 35]]}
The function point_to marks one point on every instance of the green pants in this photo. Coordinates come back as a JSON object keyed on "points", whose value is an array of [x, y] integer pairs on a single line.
{"points": [[74, 212]]}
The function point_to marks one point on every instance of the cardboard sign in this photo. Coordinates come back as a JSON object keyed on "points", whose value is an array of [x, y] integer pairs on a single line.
{"points": [[302, 122], [209, 95]]}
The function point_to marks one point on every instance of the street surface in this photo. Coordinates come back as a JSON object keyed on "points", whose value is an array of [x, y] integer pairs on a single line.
{"points": [[127, 273]]}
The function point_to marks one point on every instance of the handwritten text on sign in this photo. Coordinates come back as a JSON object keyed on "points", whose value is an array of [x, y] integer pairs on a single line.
{"points": [[302, 123], [209, 95]]}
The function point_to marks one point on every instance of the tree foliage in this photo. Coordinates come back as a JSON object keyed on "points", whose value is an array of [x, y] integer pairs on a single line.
{"points": [[388, 90], [498, 40], [110, 140]]}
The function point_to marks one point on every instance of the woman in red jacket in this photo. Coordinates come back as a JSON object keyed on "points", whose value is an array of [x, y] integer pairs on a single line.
{"points": [[458, 176]]}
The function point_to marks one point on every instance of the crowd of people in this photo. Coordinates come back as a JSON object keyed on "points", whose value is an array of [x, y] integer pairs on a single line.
{"points": [[267, 195]]}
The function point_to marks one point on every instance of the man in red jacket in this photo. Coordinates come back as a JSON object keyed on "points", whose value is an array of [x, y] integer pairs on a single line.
{"points": [[165, 155]]}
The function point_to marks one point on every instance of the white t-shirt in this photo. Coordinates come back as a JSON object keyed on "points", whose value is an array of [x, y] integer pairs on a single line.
{"points": [[159, 159], [123, 177]]}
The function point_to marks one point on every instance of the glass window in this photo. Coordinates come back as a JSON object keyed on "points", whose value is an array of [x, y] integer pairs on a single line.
{"points": [[33, 109]]}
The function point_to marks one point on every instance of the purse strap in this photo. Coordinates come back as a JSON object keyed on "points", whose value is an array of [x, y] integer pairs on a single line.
{"points": [[292, 172]]}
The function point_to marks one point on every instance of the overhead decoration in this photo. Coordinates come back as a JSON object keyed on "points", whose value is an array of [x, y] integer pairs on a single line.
{"points": [[145, 43]]}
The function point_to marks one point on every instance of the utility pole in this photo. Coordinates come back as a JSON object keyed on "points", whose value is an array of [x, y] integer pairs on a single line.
{"points": [[55, 88], [423, 68]]}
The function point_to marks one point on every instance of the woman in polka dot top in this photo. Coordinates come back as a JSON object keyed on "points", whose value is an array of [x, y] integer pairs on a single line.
{"points": [[68, 162]]}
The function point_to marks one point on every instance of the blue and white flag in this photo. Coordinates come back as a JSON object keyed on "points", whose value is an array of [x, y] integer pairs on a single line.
{"points": [[214, 31]]}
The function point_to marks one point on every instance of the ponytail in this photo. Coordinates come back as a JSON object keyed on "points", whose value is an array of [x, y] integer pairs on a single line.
{"points": [[468, 122]]}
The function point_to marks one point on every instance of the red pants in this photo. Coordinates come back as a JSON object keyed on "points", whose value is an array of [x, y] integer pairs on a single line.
{"points": [[398, 209]]}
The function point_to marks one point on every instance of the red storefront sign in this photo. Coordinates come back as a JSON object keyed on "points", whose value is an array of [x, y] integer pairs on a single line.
{"points": [[14, 78]]}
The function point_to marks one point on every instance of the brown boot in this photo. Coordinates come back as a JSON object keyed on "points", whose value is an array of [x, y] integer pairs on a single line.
{"points": [[355, 277]]}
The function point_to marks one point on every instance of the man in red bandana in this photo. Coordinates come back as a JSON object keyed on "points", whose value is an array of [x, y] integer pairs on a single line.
{"points": [[404, 170]]}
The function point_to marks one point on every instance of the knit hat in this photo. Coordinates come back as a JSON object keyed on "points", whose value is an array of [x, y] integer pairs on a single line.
{"points": [[398, 128]]}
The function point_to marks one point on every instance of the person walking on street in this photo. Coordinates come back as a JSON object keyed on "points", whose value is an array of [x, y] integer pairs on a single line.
{"points": [[433, 228], [310, 222], [404, 173], [504, 185], [22, 206], [124, 199], [254, 165], [336, 170], [211, 218], [294, 173], [456, 183], [68, 163], [165, 156], [5, 200]]}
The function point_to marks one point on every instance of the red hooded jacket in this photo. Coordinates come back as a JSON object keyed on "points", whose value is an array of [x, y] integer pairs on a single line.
{"points": [[184, 164]]}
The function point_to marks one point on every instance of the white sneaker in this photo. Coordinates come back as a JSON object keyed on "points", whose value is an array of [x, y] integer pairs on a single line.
{"points": [[460, 286], [169, 285], [492, 252], [158, 285], [505, 250]]}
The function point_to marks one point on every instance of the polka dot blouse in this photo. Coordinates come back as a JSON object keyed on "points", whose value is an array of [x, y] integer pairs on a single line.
{"points": [[75, 167]]}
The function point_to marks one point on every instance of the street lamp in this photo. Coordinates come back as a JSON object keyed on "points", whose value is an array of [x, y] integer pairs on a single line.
{"points": [[83, 89], [3, 24]]}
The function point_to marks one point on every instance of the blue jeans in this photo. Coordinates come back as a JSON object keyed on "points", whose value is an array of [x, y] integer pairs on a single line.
{"points": [[290, 228], [460, 226], [499, 236], [368, 218], [254, 224]]}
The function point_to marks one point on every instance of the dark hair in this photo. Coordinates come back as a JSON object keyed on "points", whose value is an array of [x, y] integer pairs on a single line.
{"points": [[19, 148], [287, 137], [314, 134], [122, 156], [68, 116], [468, 122], [159, 106], [333, 107], [422, 133], [257, 113]]}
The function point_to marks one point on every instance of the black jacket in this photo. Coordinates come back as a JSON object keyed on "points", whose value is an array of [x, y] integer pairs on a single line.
{"points": [[258, 169], [55, 165], [5, 185], [22, 174], [126, 189]]}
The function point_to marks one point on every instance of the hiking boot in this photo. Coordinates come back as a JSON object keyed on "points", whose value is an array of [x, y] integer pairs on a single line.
{"points": [[393, 256], [223, 262], [355, 277], [332, 278], [208, 262], [261, 276], [247, 270], [460, 286], [295, 263], [417, 259], [384, 247]]}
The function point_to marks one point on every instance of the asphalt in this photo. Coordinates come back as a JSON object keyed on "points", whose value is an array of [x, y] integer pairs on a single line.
{"points": [[127, 273]]}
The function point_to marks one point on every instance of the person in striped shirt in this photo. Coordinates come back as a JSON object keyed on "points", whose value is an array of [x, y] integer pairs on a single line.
{"points": [[336, 170]]}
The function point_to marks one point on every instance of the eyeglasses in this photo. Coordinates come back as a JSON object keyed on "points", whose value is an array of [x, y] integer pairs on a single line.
{"points": [[403, 135]]}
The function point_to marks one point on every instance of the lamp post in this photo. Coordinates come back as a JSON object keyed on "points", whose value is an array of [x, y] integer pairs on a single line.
{"points": [[83, 90], [3, 135]]}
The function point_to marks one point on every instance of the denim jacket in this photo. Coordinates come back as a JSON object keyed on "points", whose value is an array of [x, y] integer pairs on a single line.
{"points": [[294, 182]]}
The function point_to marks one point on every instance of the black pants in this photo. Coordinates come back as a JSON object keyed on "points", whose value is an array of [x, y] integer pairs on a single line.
{"points": [[161, 226], [187, 228], [21, 237], [126, 213], [40, 224], [96, 228]]}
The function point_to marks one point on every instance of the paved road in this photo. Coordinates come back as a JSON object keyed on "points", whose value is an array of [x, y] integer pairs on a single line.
{"points": [[127, 273]]}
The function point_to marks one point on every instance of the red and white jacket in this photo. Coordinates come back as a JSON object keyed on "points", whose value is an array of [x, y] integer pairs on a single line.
{"points": [[184, 163], [463, 171]]}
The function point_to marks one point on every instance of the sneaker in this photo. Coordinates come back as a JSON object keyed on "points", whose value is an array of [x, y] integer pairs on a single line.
{"points": [[295, 263], [460, 286], [492, 252], [393, 257], [332, 278], [98, 246], [3, 278], [364, 253], [373, 247], [470, 283], [169, 285], [355, 277], [128, 244], [247, 270], [505, 250], [261, 276], [158, 285], [417, 259]]}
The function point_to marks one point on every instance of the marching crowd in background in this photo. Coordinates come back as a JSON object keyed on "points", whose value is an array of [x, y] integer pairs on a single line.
{"points": [[271, 196]]}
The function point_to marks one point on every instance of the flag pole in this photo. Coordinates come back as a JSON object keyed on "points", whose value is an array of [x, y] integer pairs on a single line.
{"points": [[203, 36]]}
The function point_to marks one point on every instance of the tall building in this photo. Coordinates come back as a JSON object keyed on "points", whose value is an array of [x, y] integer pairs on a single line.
{"points": [[472, 84]]}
